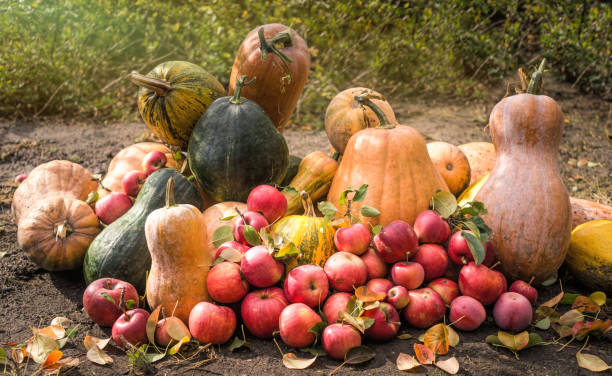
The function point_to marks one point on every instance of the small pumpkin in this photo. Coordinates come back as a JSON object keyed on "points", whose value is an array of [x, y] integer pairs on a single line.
{"points": [[312, 235], [211, 220], [393, 161], [345, 116], [314, 176], [57, 231], [585, 211], [173, 96], [452, 164], [481, 156], [235, 147], [589, 257], [279, 58], [179, 266]]}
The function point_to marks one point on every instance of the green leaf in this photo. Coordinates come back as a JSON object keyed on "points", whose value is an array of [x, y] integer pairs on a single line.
{"points": [[354, 306], [444, 203], [238, 343], [568, 298], [543, 324], [314, 351], [404, 336], [222, 234], [71, 333], [472, 227], [474, 208], [290, 190], [177, 155], [534, 340], [359, 354], [360, 193], [3, 359], [287, 251], [368, 211], [107, 297], [317, 330], [92, 197], [130, 304], [343, 194], [228, 218], [153, 357], [475, 245], [251, 235], [376, 229], [328, 209]]}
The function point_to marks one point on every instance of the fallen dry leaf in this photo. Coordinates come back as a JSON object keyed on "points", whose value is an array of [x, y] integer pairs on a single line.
{"points": [[591, 362], [424, 354], [436, 338], [450, 365], [407, 362], [292, 361]]}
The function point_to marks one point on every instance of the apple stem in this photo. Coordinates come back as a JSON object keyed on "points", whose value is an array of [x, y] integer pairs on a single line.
{"points": [[122, 302], [494, 265], [278, 347], [463, 260], [240, 214], [531, 280], [456, 321]]}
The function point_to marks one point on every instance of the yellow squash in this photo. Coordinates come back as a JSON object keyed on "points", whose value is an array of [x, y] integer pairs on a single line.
{"points": [[470, 192], [310, 234], [590, 255]]}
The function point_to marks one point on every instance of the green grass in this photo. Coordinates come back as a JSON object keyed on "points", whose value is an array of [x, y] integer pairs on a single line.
{"points": [[70, 58]]}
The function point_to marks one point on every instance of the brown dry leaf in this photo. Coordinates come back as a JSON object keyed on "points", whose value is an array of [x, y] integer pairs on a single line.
{"points": [[582, 329], [52, 360], [95, 351], [554, 301], [18, 354], [368, 296], [40, 346], [436, 338], [424, 354], [514, 342], [571, 317], [572, 162], [64, 322], [450, 365], [174, 349], [407, 362], [152, 324], [585, 304], [292, 361], [591, 362], [453, 337], [582, 162], [91, 341], [176, 329], [53, 331]]}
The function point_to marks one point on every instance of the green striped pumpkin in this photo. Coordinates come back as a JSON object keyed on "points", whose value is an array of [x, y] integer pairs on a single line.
{"points": [[173, 97], [310, 234]]}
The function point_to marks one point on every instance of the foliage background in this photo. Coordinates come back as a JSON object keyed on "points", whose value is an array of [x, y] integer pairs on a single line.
{"points": [[69, 58]]}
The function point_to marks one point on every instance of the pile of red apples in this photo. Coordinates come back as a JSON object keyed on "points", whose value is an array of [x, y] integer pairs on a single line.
{"points": [[420, 273]]}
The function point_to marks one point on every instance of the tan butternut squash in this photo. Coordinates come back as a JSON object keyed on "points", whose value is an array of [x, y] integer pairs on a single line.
{"points": [[211, 222]]}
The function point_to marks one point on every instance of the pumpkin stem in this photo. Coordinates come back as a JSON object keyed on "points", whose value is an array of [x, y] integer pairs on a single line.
{"points": [[307, 204], [364, 100], [240, 83], [269, 46], [170, 193], [61, 230], [160, 87], [535, 84]]}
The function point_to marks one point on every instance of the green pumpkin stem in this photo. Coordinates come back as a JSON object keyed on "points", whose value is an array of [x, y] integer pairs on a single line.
{"points": [[364, 100], [170, 193], [269, 46], [240, 83], [160, 87], [307, 204], [535, 83]]}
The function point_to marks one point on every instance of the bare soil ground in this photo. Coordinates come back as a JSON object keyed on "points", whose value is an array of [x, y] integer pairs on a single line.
{"points": [[31, 297]]}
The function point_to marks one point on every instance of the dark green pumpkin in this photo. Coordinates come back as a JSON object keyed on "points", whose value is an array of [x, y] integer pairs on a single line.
{"points": [[173, 96], [235, 147], [120, 250], [292, 170]]}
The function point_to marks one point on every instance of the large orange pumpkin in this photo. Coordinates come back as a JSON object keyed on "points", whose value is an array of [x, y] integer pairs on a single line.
{"points": [[345, 116], [393, 161], [452, 164]]}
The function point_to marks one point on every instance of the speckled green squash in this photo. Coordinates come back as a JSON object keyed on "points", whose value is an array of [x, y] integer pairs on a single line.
{"points": [[120, 250], [173, 96]]}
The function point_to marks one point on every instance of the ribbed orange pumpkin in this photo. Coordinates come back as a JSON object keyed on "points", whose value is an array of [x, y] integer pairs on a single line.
{"points": [[211, 222], [345, 116], [393, 161], [481, 156], [452, 164]]}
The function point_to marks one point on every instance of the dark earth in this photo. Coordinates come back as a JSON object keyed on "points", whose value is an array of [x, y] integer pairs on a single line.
{"points": [[32, 297]]}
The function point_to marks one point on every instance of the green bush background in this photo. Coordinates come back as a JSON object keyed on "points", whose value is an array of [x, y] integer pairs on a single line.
{"points": [[69, 58]]}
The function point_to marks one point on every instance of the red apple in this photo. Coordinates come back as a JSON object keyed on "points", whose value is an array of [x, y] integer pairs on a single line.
{"points": [[261, 309], [131, 327], [294, 324], [102, 311], [132, 182], [242, 248], [162, 337], [334, 304], [345, 271], [112, 206], [212, 323], [512, 311], [254, 219], [433, 258], [268, 201], [426, 308], [379, 285], [354, 239], [489, 254], [467, 313], [153, 161], [307, 284], [225, 283], [386, 324], [481, 283], [408, 274], [375, 265], [337, 339], [20, 178], [398, 297], [447, 289], [459, 250], [259, 267], [396, 241], [525, 289], [431, 228]]}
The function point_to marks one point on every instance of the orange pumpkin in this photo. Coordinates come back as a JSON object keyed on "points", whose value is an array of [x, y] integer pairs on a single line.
{"points": [[345, 116], [393, 161], [452, 164], [211, 222], [481, 156], [586, 211]]}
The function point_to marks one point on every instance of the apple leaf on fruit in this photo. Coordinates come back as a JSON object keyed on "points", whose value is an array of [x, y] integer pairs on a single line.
{"points": [[292, 361], [476, 248], [474, 208], [290, 190], [317, 330], [360, 193], [152, 324], [231, 254], [424, 354], [368, 296], [289, 250], [251, 235], [368, 211], [444, 203], [436, 339], [107, 297], [376, 229], [177, 331], [591, 362], [407, 362], [228, 218], [92, 197], [222, 234], [354, 306], [359, 323], [450, 365], [328, 209]]}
